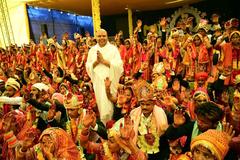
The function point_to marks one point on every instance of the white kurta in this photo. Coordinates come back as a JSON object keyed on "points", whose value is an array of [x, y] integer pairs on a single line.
{"points": [[99, 74]]}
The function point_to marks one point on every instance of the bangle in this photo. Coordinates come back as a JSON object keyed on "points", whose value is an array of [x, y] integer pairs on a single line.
{"points": [[50, 120], [94, 128], [8, 135]]}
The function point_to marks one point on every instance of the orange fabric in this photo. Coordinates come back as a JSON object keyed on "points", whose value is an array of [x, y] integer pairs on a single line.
{"points": [[122, 51], [64, 145], [97, 148], [3, 78], [18, 119], [230, 59], [137, 58], [201, 55], [215, 141], [201, 75], [227, 55], [191, 111], [128, 61]]}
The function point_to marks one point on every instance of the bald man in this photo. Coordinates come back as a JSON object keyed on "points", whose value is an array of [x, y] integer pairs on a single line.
{"points": [[104, 61]]}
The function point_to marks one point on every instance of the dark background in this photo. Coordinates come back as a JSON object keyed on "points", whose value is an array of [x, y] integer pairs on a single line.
{"points": [[225, 8]]}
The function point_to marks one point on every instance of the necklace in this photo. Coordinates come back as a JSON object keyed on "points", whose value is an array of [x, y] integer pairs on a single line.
{"points": [[148, 126]]}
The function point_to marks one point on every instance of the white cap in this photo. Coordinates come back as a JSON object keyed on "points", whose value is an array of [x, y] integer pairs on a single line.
{"points": [[41, 86]]}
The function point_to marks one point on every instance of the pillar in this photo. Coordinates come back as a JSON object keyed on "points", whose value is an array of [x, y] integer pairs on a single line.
{"points": [[96, 16], [130, 22]]}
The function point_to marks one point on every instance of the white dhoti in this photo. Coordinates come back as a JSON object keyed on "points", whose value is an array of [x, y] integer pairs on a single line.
{"points": [[99, 74]]}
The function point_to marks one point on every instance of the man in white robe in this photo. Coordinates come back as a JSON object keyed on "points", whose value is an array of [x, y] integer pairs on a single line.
{"points": [[104, 61]]}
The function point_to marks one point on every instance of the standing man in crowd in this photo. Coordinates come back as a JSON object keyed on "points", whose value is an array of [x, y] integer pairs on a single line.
{"points": [[104, 61]]}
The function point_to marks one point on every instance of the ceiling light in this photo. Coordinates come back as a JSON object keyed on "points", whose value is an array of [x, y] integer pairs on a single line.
{"points": [[176, 1], [61, 12], [36, 7], [49, 10]]}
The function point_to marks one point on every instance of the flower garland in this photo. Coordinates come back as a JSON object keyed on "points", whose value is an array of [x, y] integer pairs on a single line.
{"points": [[235, 116], [74, 128], [81, 154], [70, 128], [32, 119], [148, 126], [79, 129], [38, 150], [107, 151], [80, 148]]}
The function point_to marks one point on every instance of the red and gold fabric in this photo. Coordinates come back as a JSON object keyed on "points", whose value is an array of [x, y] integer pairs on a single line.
{"points": [[215, 141]]}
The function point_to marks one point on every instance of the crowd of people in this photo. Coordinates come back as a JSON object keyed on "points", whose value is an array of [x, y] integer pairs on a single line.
{"points": [[174, 94]]}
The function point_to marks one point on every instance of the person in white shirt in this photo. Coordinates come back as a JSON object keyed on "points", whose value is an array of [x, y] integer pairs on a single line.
{"points": [[10, 99]]}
